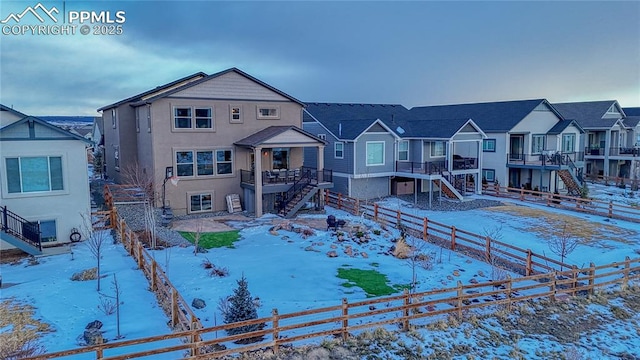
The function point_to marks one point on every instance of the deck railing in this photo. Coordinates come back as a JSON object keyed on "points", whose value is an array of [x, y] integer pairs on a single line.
{"points": [[286, 176], [15, 225], [613, 151], [546, 158]]}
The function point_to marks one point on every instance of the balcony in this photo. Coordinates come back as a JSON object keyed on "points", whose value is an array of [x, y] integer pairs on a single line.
{"points": [[549, 159], [287, 177], [613, 151], [424, 168]]}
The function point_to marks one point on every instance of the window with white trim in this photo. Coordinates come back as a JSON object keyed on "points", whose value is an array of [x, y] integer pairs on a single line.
{"points": [[200, 163], [489, 175], [185, 118], [375, 153], [235, 114], [322, 136], [34, 174], [438, 149], [537, 144], [568, 143], [489, 145], [268, 112], [200, 202], [403, 150], [338, 148]]}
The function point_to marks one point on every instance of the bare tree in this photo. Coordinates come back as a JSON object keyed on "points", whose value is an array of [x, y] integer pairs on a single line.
{"points": [[494, 234], [116, 297], [196, 237], [563, 244], [95, 241], [138, 178]]}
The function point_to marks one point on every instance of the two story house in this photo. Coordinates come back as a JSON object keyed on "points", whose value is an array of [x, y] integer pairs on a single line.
{"points": [[609, 141], [528, 142], [380, 149], [44, 179], [220, 134]]}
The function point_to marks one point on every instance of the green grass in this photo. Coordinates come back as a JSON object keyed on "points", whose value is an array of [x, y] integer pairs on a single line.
{"points": [[213, 240], [371, 281]]}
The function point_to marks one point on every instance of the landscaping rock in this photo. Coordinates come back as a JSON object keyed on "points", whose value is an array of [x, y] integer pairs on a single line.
{"points": [[92, 334], [332, 254], [198, 304]]}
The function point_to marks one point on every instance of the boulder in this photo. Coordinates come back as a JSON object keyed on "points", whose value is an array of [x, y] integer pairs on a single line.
{"points": [[198, 304], [95, 324], [332, 254]]}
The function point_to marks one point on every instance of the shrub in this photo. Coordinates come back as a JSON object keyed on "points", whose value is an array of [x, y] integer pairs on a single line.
{"points": [[241, 307]]}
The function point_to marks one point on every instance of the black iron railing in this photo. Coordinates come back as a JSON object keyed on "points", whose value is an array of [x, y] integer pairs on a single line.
{"points": [[546, 158], [21, 228], [286, 176], [427, 167]]}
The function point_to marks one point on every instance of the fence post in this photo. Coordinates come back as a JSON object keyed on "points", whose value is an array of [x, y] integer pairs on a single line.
{"points": [[553, 285], [375, 212], [425, 229], [497, 189], [399, 217], [592, 278], [508, 292], [140, 258], [356, 207], [453, 238], [122, 225], [154, 277], [339, 201], [521, 194], [99, 354], [405, 311], [549, 199], [174, 307], [610, 209], [625, 280], [275, 321], [345, 319], [529, 269], [574, 275], [487, 248], [326, 196], [459, 304], [195, 338]]}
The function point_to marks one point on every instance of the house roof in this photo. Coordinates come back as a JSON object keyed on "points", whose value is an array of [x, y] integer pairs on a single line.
{"points": [[560, 126], [632, 121], [499, 116], [67, 135], [588, 114], [347, 121], [187, 82], [432, 128], [631, 111], [15, 112], [262, 136]]}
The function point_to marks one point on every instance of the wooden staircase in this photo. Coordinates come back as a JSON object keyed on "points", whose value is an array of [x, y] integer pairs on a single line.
{"points": [[447, 189], [297, 201], [573, 188]]}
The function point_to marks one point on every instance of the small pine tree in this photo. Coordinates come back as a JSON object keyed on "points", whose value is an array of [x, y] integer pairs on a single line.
{"points": [[242, 307]]}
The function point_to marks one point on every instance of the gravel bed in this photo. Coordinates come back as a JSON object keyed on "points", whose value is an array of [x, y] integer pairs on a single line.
{"points": [[448, 205]]}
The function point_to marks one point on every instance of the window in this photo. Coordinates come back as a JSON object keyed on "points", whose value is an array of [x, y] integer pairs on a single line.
{"points": [[568, 143], [235, 114], [338, 148], [268, 112], [537, 144], [113, 118], [322, 136], [438, 149], [403, 150], [489, 145], [489, 175], [48, 231], [204, 163], [375, 153], [148, 118], [116, 157], [137, 120], [224, 162], [192, 118], [200, 202], [280, 158], [34, 174]]}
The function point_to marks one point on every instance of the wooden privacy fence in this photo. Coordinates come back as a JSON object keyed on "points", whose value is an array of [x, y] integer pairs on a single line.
{"points": [[481, 247], [590, 206], [395, 312]]}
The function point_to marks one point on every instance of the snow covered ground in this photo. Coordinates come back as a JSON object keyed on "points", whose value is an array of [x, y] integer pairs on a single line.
{"points": [[292, 273]]}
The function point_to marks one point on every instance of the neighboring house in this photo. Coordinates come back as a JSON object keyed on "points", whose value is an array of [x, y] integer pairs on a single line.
{"points": [[609, 140], [528, 142], [44, 182], [380, 149], [220, 134]]}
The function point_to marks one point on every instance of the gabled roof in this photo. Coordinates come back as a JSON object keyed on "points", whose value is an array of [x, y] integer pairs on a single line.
{"points": [[187, 82], [560, 126], [347, 121], [15, 112], [631, 121], [66, 135], [433, 128], [631, 111], [262, 136], [589, 113], [499, 116]]}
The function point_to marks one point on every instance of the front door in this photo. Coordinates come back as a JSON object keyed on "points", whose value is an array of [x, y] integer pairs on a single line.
{"points": [[514, 178], [516, 147]]}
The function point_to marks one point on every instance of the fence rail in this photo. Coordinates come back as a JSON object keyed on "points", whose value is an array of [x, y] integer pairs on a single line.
{"points": [[590, 206]]}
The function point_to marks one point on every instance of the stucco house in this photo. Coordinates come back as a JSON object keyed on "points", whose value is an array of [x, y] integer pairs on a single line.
{"points": [[44, 182], [220, 134], [528, 143], [610, 139], [380, 149]]}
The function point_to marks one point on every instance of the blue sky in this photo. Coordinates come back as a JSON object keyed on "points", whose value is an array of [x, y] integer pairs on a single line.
{"points": [[411, 53]]}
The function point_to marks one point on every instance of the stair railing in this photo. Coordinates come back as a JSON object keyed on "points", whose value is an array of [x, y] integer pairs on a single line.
{"points": [[296, 188], [21, 228]]}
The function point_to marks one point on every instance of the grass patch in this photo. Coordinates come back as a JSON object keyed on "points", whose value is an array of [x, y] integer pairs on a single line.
{"points": [[372, 282], [213, 240]]}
